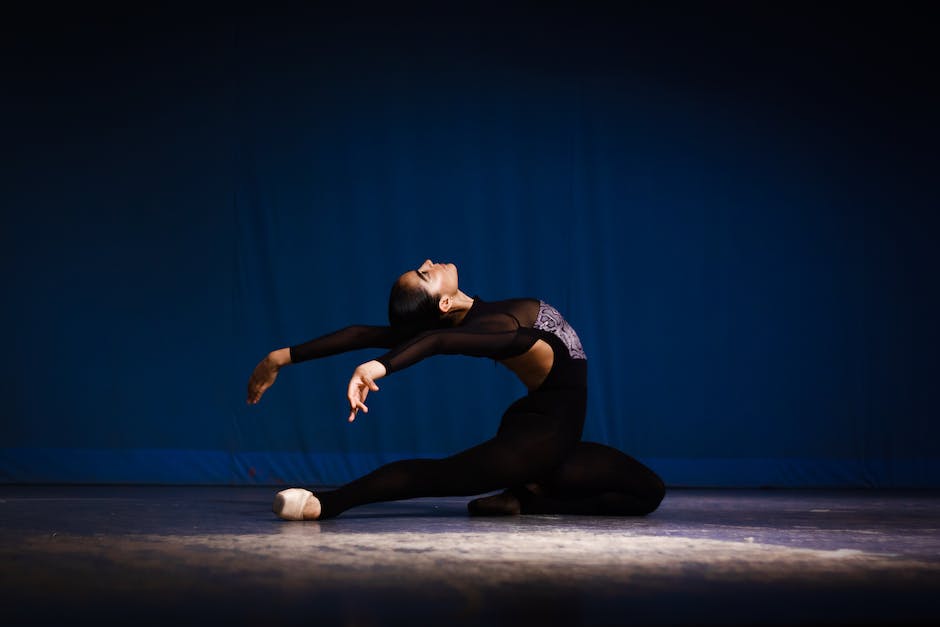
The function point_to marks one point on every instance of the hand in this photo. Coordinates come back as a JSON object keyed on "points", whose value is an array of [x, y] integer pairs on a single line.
{"points": [[262, 378], [362, 381]]}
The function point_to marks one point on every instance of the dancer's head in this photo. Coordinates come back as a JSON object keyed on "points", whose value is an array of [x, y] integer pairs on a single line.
{"points": [[421, 299]]}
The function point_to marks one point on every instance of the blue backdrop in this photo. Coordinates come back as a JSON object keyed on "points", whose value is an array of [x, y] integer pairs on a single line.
{"points": [[736, 207]]}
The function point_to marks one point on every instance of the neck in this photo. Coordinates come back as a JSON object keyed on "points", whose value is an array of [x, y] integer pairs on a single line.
{"points": [[462, 304]]}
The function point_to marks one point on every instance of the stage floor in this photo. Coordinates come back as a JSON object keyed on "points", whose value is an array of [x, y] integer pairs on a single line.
{"points": [[164, 555]]}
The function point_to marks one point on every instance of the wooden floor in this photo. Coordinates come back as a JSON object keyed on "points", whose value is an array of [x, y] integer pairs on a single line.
{"points": [[136, 555]]}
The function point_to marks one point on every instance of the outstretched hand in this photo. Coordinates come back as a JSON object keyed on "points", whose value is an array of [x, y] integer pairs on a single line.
{"points": [[261, 379], [361, 382]]}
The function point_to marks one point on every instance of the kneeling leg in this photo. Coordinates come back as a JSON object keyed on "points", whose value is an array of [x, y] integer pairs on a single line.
{"points": [[594, 480]]}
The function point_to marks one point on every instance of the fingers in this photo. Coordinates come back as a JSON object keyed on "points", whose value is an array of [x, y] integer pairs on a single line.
{"points": [[355, 404], [355, 409], [255, 390]]}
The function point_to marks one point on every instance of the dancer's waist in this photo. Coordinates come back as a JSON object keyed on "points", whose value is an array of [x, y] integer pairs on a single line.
{"points": [[566, 373]]}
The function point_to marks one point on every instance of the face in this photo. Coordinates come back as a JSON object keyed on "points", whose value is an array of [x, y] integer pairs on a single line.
{"points": [[439, 279]]}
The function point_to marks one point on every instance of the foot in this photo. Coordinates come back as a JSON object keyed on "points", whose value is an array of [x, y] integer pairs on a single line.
{"points": [[503, 504], [296, 504]]}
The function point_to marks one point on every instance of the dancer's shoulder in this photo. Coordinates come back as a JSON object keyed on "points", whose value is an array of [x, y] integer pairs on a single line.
{"points": [[523, 310]]}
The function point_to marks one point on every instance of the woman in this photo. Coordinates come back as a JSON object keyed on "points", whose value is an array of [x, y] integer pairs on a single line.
{"points": [[537, 457]]}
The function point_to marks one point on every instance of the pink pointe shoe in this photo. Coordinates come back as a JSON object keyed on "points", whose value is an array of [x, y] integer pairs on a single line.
{"points": [[296, 504]]}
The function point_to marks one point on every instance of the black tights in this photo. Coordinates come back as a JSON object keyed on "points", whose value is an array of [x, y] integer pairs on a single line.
{"points": [[538, 444]]}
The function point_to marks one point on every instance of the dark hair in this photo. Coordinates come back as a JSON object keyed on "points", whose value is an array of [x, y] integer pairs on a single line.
{"points": [[412, 309]]}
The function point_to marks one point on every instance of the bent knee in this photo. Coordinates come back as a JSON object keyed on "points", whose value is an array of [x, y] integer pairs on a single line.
{"points": [[653, 500], [648, 500], [656, 494]]}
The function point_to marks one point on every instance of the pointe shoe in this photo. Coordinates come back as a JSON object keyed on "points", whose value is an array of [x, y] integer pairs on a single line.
{"points": [[296, 504]]}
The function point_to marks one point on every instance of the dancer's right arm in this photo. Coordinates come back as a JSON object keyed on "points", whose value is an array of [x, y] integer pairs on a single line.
{"points": [[346, 339]]}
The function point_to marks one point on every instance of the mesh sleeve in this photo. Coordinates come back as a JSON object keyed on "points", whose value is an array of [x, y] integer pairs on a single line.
{"points": [[347, 339], [496, 340]]}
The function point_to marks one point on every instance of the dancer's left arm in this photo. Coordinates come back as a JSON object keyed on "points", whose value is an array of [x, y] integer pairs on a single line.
{"points": [[480, 340]]}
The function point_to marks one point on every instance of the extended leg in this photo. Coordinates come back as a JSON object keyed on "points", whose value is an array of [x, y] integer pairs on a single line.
{"points": [[512, 457]]}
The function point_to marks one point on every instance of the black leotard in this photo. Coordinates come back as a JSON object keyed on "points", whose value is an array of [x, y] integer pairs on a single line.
{"points": [[539, 437]]}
